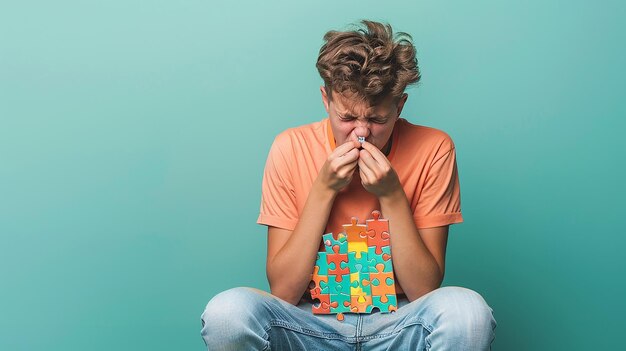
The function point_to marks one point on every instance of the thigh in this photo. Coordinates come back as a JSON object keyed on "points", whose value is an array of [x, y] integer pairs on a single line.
{"points": [[300, 329], [442, 314], [253, 313], [404, 329]]}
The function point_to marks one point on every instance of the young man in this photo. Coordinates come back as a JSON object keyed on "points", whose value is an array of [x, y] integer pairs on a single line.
{"points": [[319, 175]]}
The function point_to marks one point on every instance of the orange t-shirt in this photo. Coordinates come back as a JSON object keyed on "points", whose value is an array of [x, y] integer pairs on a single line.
{"points": [[423, 157]]}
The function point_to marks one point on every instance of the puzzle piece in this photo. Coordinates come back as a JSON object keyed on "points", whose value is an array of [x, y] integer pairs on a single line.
{"points": [[382, 283], [359, 280], [330, 242], [377, 240], [339, 284], [353, 271], [361, 304], [316, 293], [377, 232], [360, 264], [337, 263], [360, 284], [324, 306], [385, 303], [339, 303], [320, 281], [376, 259], [322, 263], [357, 240]]}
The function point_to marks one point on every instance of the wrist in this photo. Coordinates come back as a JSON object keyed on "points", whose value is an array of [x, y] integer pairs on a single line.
{"points": [[323, 192], [393, 197]]}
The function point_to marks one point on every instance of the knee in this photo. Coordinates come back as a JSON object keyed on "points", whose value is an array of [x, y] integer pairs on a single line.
{"points": [[235, 319], [463, 313], [236, 305]]}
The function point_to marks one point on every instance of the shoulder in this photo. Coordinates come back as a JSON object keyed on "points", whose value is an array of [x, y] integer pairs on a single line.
{"points": [[425, 137], [306, 136]]}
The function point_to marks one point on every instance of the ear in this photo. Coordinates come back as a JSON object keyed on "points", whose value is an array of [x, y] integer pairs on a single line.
{"points": [[401, 103], [324, 98]]}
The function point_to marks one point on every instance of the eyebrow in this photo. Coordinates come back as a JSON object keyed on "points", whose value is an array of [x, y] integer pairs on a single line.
{"points": [[368, 117]]}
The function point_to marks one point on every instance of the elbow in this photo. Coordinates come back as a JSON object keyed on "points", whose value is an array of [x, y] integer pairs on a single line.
{"points": [[279, 289], [416, 294], [421, 290], [285, 295]]}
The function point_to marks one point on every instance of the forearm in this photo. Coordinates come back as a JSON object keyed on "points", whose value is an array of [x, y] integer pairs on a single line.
{"points": [[415, 268], [289, 273]]}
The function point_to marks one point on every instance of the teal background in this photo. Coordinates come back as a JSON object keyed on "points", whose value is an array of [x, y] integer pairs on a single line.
{"points": [[133, 137]]}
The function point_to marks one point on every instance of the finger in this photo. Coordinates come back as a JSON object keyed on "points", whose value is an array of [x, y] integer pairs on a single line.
{"points": [[369, 161], [365, 179], [347, 170], [345, 148], [366, 172], [349, 157], [376, 153]]}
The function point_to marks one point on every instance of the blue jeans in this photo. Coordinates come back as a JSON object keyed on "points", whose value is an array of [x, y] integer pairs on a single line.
{"points": [[448, 318]]}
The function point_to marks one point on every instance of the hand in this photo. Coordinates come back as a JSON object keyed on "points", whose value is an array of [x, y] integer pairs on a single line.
{"points": [[337, 171], [377, 175]]}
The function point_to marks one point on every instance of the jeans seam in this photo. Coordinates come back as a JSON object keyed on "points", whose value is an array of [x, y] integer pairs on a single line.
{"points": [[410, 323], [298, 329], [358, 332], [266, 336]]}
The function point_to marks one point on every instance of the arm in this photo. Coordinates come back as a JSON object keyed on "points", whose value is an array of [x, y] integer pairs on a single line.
{"points": [[291, 255], [418, 256]]}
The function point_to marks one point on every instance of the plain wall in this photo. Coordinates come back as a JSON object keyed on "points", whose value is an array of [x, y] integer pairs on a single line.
{"points": [[133, 137]]}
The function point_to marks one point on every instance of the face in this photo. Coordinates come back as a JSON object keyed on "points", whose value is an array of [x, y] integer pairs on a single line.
{"points": [[352, 118]]}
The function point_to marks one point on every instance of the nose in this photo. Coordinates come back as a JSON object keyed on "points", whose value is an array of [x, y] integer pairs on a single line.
{"points": [[362, 130]]}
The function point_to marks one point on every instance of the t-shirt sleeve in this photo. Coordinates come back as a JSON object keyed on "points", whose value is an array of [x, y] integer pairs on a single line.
{"points": [[278, 201], [440, 200]]}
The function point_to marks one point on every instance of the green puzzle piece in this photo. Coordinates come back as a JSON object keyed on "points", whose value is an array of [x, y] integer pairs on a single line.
{"points": [[375, 259], [392, 302], [322, 263], [342, 287], [360, 265], [341, 300], [330, 241]]}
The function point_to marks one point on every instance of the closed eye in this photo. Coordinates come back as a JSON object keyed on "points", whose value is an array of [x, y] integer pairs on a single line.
{"points": [[376, 120], [347, 118]]}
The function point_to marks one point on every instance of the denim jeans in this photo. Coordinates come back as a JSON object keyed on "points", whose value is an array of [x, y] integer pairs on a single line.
{"points": [[448, 318]]}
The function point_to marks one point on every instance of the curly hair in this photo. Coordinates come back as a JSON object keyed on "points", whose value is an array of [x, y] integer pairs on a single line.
{"points": [[368, 61]]}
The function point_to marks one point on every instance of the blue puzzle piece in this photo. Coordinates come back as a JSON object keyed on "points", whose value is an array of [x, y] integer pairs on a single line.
{"points": [[360, 265], [324, 287], [330, 241], [322, 262], [341, 300], [339, 287], [375, 259], [384, 307]]}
